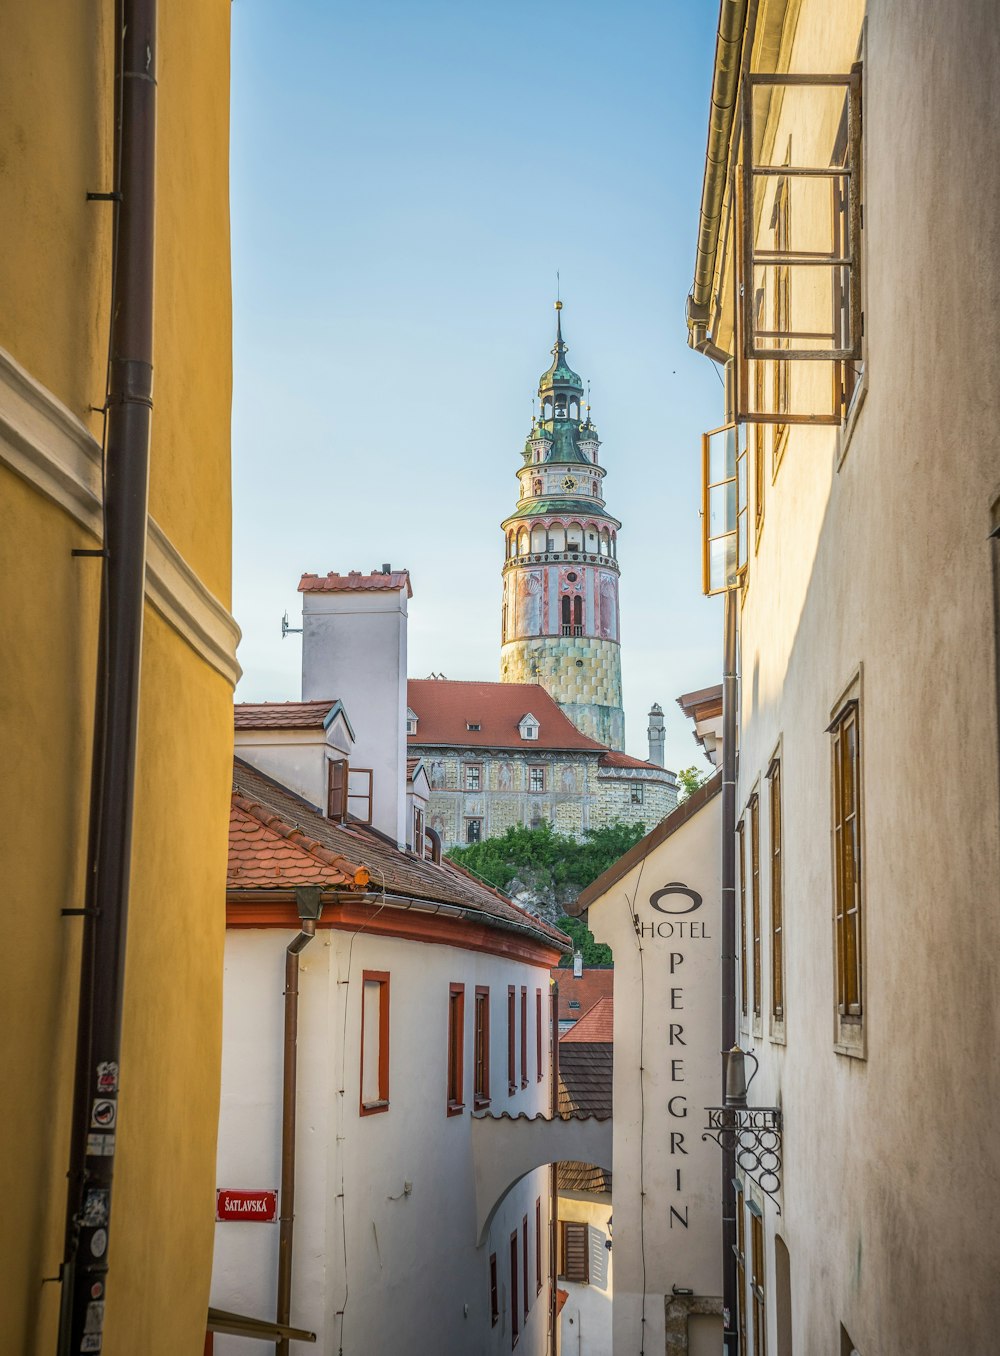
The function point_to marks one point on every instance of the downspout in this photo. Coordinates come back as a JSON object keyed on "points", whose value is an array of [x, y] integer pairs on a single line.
{"points": [[84, 1271], [730, 697], [725, 89], [308, 901], [553, 1176]]}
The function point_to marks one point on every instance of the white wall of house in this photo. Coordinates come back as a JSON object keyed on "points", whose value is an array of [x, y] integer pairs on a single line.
{"points": [[354, 648], [585, 1321], [415, 1279], [297, 758], [667, 1020]]}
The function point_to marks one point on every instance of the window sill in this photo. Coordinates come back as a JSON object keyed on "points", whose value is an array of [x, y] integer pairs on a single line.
{"points": [[455, 1108], [777, 1031], [373, 1108], [480, 1103], [511, 1089], [524, 1083], [849, 1036]]}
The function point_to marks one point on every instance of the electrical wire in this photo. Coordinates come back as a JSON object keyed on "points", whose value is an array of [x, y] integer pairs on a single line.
{"points": [[343, 1057]]}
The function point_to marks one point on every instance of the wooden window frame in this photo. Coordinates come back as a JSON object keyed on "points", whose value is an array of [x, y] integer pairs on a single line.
{"points": [[848, 862], [539, 1027], [381, 978], [753, 810], [366, 797], [418, 831], [511, 1040], [494, 1292], [524, 1035], [539, 770], [566, 1228], [337, 782], [473, 819], [468, 770], [740, 1248], [758, 1282], [538, 1245], [455, 1100], [728, 492], [741, 862], [777, 913], [515, 1308], [481, 1049], [636, 797], [524, 1266]]}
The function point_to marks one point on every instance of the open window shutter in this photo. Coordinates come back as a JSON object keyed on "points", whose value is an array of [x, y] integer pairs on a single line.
{"points": [[576, 1251], [337, 791]]}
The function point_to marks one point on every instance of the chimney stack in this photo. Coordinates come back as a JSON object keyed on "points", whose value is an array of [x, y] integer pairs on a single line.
{"points": [[354, 649], [657, 736]]}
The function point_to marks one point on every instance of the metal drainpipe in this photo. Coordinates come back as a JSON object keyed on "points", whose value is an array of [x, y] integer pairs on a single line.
{"points": [[84, 1271], [730, 696], [307, 898], [553, 1176]]}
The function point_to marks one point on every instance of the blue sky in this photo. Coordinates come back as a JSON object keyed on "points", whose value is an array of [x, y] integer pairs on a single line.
{"points": [[406, 180]]}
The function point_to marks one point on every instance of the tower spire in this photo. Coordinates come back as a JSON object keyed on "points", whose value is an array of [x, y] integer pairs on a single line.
{"points": [[560, 346]]}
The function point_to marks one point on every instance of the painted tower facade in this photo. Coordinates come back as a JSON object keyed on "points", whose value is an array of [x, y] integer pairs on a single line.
{"points": [[560, 619]]}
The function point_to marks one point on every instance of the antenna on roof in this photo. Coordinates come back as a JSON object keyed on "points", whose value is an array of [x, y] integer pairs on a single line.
{"points": [[287, 630]]}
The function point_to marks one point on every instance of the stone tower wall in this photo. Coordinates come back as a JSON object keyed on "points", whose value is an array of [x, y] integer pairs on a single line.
{"points": [[581, 673]]}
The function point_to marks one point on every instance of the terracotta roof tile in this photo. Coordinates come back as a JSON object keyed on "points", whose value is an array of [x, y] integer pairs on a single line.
{"points": [[446, 708], [595, 1027], [615, 759], [282, 715], [356, 581], [293, 819], [267, 853], [593, 984], [586, 1087]]}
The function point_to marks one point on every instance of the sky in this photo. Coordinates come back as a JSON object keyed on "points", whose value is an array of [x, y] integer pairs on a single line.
{"points": [[407, 179]]}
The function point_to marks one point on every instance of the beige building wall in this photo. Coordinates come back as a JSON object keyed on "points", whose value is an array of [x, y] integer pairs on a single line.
{"points": [[871, 578], [667, 1182], [585, 1320]]}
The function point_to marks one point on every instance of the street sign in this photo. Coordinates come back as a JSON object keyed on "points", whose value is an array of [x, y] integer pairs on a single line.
{"points": [[257, 1207]]}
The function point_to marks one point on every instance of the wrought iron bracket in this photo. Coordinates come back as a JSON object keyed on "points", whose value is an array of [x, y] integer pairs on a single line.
{"points": [[752, 1134]]}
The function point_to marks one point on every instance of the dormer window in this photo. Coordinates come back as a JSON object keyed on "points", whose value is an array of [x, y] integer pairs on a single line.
{"points": [[411, 721], [473, 725], [528, 727]]}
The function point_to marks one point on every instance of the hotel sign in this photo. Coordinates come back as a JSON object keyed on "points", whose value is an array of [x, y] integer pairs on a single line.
{"points": [[257, 1207]]}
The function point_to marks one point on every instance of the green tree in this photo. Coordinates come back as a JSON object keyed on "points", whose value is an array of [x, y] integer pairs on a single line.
{"points": [[594, 953], [689, 779]]}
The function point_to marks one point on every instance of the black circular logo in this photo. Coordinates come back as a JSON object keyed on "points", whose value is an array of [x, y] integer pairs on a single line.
{"points": [[676, 888]]}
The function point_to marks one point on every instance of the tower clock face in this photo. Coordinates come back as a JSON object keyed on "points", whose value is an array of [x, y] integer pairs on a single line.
{"points": [[569, 483]]}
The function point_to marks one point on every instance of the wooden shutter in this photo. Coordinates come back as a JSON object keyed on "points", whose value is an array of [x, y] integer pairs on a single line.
{"points": [[336, 796], [576, 1251]]}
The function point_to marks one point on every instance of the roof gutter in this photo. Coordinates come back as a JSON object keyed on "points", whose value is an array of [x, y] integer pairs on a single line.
{"points": [[725, 89], [410, 905]]}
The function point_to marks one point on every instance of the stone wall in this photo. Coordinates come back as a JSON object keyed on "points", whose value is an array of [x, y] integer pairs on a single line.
{"points": [[581, 673]]}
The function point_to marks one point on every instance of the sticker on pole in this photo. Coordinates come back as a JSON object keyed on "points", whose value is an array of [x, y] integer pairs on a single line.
{"points": [[104, 1113], [107, 1078], [99, 1242], [258, 1207], [95, 1210], [100, 1146]]}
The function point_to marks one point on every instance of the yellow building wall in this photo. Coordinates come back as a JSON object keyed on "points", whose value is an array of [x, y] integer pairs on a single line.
{"points": [[56, 78]]}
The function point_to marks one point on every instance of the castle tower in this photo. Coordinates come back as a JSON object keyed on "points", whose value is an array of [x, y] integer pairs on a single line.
{"points": [[560, 576]]}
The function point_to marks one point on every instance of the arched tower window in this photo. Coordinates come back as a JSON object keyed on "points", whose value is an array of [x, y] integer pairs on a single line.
{"points": [[522, 542], [574, 408], [567, 606], [578, 616], [547, 408], [560, 407]]}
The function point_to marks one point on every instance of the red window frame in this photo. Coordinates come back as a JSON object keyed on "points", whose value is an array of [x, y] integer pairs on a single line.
{"points": [[524, 1035], [511, 1040], [524, 1263], [515, 1308], [494, 1292], [381, 978], [538, 1033], [456, 1049], [538, 1245], [481, 1049]]}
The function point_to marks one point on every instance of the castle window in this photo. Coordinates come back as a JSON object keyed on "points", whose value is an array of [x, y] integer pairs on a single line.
{"points": [[473, 725], [567, 606], [528, 727], [473, 830], [637, 793], [473, 776], [578, 616], [411, 721], [536, 778]]}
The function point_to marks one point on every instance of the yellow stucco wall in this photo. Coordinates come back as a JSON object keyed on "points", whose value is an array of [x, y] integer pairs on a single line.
{"points": [[55, 127]]}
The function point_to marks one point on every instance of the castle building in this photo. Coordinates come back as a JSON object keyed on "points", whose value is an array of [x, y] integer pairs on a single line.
{"points": [[560, 622]]}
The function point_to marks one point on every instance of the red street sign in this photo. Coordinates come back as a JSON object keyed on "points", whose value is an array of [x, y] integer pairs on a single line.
{"points": [[261, 1207]]}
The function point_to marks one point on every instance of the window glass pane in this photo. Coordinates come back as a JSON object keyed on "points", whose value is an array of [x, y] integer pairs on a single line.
{"points": [[372, 994]]}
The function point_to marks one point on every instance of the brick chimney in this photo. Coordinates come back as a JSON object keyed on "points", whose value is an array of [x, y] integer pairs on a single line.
{"points": [[354, 648]]}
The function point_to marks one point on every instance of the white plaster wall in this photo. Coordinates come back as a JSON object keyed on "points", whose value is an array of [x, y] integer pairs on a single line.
{"points": [[296, 758], [668, 995], [874, 554], [585, 1321], [354, 648], [415, 1280]]}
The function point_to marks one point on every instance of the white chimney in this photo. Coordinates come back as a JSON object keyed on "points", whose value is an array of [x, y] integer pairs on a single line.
{"points": [[354, 649], [657, 735]]}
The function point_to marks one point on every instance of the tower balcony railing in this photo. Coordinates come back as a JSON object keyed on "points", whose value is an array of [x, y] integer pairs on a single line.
{"points": [[557, 557]]}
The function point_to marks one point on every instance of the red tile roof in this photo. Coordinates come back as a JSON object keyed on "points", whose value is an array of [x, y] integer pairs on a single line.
{"points": [[615, 759], [282, 715], [445, 708], [355, 580], [267, 853], [294, 820], [595, 1027], [593, 984]]}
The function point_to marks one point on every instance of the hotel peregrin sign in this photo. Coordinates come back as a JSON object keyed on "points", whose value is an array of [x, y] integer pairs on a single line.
{"points": [[676, 908]]}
